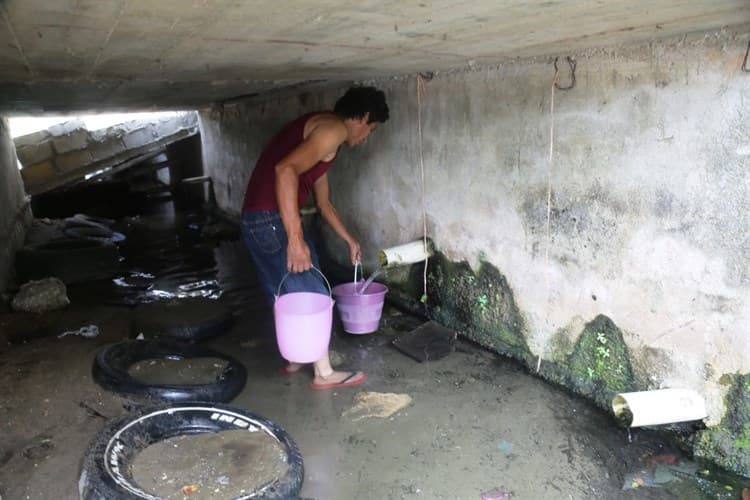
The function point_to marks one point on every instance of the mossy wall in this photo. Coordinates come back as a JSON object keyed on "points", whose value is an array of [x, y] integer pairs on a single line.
{"points": [[599, 366], [478, 305], [728, 443]]}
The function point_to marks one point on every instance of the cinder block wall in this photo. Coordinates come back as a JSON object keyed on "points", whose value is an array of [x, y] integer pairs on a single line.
{"points": [[67, 151], [649, 193], [13, 205]]}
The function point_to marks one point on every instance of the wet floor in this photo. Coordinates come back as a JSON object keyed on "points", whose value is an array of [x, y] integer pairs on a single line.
{"points": [[477, 422]]}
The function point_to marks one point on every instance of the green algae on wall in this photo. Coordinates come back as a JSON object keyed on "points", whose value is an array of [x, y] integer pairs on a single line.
{"points": [[599, 366], [561, 345], [728, 444], [478, 305], [481, 307]]}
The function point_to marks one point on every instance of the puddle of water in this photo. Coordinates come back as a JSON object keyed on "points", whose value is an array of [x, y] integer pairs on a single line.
{"points": [[135, 279], [178, 371], [166, 257], [209, 466]]}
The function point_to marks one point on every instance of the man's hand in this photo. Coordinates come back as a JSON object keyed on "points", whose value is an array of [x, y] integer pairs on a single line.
{"points": [[354, 251], [298, 258]]}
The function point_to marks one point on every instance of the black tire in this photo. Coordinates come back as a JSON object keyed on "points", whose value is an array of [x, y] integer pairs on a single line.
{"points": [[106, 473], [193, 318], [95, 220], [72, 260], [110, 370], [89, 232], [81, 222]]}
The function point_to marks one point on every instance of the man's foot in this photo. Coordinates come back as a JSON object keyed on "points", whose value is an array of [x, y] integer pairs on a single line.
{"points": [[337, 379], [290, 368]]}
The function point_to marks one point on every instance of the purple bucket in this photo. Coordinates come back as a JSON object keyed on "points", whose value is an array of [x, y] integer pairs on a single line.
{"points": [[360, 313]]}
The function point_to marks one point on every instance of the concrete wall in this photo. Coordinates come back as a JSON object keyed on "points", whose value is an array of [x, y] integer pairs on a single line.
{"points": [[14, 206], [650, 189]]}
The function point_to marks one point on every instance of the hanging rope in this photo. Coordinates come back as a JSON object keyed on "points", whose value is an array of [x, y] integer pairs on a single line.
{"points": [[549, 170], [572, 64], [420, 95], [553, 86]]}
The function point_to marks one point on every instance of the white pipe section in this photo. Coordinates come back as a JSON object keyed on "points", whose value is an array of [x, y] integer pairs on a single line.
{"points": [[658, 407], [408, 253]]}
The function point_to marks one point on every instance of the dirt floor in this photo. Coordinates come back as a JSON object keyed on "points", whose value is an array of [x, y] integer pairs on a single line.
{"points": [[477, 422]]}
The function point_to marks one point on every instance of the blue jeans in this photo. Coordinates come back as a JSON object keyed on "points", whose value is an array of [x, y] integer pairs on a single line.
{"points": [[265, 237]]}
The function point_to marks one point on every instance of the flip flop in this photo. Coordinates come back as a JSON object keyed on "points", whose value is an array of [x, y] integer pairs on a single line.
{"points": [[347, 382]]}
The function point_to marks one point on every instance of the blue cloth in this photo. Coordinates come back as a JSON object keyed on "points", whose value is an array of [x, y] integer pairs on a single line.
{"points": [[265, 237]]}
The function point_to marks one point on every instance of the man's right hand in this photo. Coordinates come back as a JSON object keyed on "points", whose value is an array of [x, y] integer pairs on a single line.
{"points": [[298, 258]]}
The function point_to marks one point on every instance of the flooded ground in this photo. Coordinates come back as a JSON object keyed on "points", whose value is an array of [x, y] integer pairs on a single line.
{"points": [[209, 466], [178, 371], [477, 422]]}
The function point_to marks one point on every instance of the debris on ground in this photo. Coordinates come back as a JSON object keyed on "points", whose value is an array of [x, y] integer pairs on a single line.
{"points": [[39, 448], [88, 331], [191, 488], [376, 404], [663, 470], [497, 494], [505, 446], [92, 412], [667, 458], [428, 342], [39, 296]]}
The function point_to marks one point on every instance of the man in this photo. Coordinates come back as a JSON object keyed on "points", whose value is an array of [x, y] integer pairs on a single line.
{"points": [[295, 162]]}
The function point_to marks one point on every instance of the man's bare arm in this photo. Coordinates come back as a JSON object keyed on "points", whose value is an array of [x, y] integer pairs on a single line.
{"points": [[321, 143], [331, 216]]}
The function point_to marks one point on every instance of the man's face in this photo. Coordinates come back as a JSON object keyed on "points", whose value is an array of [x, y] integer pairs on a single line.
{"points": [[360, 130]]}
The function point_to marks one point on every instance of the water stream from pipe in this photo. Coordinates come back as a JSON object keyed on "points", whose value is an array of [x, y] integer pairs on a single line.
{"points": [[369, 281]]}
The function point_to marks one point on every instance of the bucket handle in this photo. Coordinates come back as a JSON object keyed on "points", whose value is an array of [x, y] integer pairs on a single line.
{"points": [[330, 291], [358, 265]]}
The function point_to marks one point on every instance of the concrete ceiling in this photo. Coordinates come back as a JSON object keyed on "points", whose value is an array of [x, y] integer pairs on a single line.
{"points": [[69, 55]]}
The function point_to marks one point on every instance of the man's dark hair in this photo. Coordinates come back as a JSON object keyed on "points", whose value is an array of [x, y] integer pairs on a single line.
{"points": [[361, 100]]}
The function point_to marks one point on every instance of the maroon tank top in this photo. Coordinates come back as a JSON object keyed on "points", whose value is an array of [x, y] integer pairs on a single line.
{"points": [[261, 189]]}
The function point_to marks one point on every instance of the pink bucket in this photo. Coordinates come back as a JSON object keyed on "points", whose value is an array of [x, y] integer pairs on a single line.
{"points": [[303, 324], [360, 313]]}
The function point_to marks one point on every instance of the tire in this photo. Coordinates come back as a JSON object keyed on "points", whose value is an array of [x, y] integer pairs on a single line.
{"points": [[193, 318], [89, 232], [110, 370], [85, 222], [72, 260], [93, 219], [106, 472]]}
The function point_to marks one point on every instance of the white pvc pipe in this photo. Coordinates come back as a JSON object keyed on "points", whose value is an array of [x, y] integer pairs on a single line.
{"points": [[658, 407], [408, 253]]}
